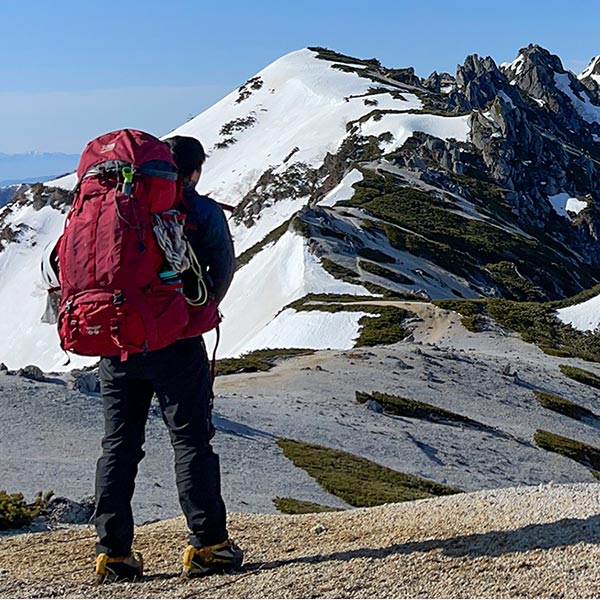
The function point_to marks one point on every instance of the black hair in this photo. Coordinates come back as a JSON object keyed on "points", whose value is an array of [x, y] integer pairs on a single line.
{"points": [[188, 154]]}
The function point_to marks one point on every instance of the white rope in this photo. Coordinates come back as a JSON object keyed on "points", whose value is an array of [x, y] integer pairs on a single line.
{"points": [[169, 231], [171, 238]]}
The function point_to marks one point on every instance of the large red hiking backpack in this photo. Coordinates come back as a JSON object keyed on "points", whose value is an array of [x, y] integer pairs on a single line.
{"points": [[113, 301]]}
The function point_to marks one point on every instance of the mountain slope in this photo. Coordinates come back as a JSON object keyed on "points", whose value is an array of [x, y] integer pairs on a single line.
{"points": [[483, 184]]}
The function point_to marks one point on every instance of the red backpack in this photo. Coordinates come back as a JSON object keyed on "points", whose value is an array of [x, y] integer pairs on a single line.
{"points": [[113, 301]]}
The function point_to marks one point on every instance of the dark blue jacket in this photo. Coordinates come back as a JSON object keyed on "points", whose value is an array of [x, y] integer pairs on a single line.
{"points": [[210, 239]]}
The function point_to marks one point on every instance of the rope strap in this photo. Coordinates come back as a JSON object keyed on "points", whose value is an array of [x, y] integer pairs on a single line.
{"points": [[168, 229], [170, 235]]}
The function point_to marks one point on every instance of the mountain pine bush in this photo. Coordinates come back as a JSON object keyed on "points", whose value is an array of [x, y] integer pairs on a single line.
{"points": [[16, 513]]}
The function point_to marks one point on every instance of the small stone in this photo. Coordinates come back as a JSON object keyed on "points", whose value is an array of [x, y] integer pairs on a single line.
{"points": [[319, 529], [63, 510], [86, 382], [374, 406], [400, 364], [31, 372], [506, 371]]}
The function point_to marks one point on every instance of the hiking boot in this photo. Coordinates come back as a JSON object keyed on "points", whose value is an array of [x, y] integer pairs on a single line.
{"points": [[124, 568], [223, 557]]}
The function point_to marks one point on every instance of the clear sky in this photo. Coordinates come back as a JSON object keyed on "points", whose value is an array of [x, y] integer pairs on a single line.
{"points": [[72, 69]]}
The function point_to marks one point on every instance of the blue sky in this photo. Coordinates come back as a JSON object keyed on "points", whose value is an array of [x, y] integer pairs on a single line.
{"points": [[71, 70]]}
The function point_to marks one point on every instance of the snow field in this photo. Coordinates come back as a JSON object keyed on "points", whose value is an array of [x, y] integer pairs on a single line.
{"points": [[283, 272], [25, 339], [584, 316]]}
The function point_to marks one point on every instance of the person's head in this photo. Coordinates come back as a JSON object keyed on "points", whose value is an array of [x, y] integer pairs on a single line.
{"points": [[188, 155]]}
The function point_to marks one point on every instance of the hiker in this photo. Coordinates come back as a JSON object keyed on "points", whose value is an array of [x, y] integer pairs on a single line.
{"points": [[179, 374]]}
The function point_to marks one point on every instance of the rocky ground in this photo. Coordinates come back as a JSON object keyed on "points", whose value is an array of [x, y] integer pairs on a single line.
{"points": [[481, 544], [518, 542]]}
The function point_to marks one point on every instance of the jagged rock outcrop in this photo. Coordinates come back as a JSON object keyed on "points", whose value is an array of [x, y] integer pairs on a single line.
{"points": [[439, 82], [479, 81]]}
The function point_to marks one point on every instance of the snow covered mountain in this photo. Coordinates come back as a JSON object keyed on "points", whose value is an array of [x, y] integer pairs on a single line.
{"points": [[352, 178]]}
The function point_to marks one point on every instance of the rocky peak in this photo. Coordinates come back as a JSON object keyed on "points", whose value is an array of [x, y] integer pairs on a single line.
{"points": [[534, 71], [533, 57], [439, 82], [590, 77], [541, 77], [479, 80], [592, 70]]}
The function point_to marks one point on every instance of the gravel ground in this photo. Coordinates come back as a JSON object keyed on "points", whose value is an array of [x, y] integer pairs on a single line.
{"points": [[523, 541], [50, 436], [517, 542]]}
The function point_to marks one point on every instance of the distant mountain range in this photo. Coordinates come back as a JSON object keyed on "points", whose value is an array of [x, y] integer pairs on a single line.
{"points": [[32, 167]]}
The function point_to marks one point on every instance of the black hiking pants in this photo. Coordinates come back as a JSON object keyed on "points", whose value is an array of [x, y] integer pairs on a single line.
{"points": [[179, 374]]}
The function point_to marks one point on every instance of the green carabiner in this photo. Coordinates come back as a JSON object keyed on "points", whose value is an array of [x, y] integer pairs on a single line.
{"points": [[127, 173]]}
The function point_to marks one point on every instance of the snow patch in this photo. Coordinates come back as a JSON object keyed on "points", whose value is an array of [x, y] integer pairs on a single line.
{"points": [[564, 204], [587, 111], [314, 329], [283, 272], [269, 218], [584, 316], [67, 182], [344, 190], [506, 98], [402, 126], [516, 66]]}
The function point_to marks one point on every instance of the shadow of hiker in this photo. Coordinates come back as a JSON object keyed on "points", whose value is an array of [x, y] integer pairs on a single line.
{"points": [[543, 536]]}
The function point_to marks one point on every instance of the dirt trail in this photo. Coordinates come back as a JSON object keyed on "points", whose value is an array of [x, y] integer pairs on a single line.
{"points": [[436, 322]]}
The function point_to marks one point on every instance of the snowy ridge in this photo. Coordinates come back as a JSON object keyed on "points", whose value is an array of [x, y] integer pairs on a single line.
{"points": [[314, 101], [244, 138]]}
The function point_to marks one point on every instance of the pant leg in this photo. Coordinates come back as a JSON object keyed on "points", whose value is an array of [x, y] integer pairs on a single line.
{"points": [[126, 402], [184, 388]]}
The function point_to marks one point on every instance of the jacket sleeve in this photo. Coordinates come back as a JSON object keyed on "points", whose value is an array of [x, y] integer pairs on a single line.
{"points": [[213, 245]]}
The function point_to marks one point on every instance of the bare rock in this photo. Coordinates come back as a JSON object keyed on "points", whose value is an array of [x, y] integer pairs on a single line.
{"points": [[374, 406], [63, 510], [32, 372], [85, 381]]}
